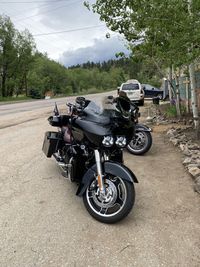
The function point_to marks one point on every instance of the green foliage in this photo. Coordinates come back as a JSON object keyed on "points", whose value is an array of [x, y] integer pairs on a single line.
{"points": [[165, 31], [171, 111], [14, 98]]}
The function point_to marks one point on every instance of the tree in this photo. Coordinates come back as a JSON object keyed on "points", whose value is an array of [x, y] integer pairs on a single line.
{"points": [[25, 46], [16, 57], [8, 53], [156, 29]]}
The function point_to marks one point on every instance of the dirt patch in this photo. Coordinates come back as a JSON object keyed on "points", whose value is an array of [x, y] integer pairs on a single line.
{"points": [[163, 128]]}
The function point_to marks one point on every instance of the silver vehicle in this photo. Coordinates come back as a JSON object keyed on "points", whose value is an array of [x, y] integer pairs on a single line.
{"points": [[134, 91]]}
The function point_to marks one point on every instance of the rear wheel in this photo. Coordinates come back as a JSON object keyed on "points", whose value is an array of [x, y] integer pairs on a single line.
{"points": [[141, 143], [117, 202]]}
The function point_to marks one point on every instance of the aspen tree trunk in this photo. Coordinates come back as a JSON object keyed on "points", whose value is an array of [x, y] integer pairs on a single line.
{"points": [[187, 95], [178, 109], [193, 87], [169, 85], [194, 99]]}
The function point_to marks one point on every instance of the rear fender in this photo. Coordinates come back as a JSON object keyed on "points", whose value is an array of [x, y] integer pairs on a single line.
{"points": [[141, 127], [109, 167]]}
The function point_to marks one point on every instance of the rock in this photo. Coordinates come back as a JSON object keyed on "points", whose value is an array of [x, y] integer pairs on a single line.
{"points": [[187, 152], [188, 127], [193, 165], [187, 161], [183, 137], [197, 180], [179, 129], [194, 146], [183, 147], [171, 132], [174, 141], [149, 119], [196, 161], [194, 171], [196, 156], [190, 150], [197, 185]]}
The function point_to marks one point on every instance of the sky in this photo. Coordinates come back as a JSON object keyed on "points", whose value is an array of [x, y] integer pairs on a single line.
{"points": [[84, 37]]}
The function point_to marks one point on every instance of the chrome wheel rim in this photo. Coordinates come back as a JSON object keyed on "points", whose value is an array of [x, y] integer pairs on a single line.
{"points": [[139, 141], [113, 201]]}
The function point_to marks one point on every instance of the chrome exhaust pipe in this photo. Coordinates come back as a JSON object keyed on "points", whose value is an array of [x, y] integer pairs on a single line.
{"points": [[66, 168]]}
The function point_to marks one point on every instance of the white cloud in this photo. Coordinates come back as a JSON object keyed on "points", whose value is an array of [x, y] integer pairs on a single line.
{"points": [[49, 17], [102, 49]]}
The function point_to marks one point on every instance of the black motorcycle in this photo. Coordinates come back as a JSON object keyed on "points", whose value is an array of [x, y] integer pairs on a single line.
{"points": [[142, 139], [88, 147]]}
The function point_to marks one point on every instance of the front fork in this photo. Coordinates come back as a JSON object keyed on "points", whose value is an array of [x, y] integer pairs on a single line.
{"points": [[99, 172]]}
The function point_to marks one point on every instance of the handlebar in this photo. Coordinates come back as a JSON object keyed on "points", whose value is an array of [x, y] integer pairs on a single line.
{"points": [[75, 109]]}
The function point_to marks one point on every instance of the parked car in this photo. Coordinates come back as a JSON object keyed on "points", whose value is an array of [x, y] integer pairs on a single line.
{"points": [[133, 90], [151, 91]]}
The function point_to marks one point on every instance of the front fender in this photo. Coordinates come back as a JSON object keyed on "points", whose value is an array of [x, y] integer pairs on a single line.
{"points": [[113, 168], [141, 127]]}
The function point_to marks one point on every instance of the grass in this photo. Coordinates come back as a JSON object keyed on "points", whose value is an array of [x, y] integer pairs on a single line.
{"points": [[24, 98], [12, 98], [171, 112]]}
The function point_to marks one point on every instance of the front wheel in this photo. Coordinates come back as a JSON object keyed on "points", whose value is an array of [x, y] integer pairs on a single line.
{"points": [[141, 143], [115, 204]]}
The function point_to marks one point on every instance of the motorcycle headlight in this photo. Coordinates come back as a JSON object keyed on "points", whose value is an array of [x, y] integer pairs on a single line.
{"points": [[121, 141], [108, 141]]}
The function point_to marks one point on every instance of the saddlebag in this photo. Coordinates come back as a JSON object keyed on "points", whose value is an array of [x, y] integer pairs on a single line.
{"points": [[52, 142]]}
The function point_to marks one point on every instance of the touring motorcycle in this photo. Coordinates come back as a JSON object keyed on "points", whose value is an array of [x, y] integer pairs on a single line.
{"points": [[88, 146], [142, 139]]}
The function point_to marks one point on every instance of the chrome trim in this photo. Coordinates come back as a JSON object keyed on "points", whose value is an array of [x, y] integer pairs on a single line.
{"points": [[99, 171]]}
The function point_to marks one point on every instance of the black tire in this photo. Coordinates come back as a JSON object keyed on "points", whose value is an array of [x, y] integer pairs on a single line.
{"points": [[113, 208], [140, 144], [160, 96], [141, 103]]}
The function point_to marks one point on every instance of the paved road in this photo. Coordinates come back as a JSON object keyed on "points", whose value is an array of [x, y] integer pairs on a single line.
{"points": [[17, 113], [43, 223], [13, 108]]}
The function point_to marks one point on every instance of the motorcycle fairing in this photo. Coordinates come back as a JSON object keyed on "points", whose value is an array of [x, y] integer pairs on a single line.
{"points": [[93, 131]]}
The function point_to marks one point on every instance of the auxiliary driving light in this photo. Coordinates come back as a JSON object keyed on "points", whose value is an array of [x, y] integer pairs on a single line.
{"points": [[121, 141], [108, 141]]}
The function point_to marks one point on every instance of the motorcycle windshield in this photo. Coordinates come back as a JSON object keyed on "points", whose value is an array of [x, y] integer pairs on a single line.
{"points": [[96, 114], [93, 107], [102, 114]]}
